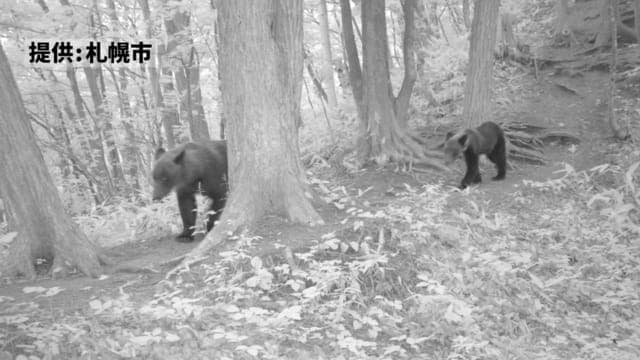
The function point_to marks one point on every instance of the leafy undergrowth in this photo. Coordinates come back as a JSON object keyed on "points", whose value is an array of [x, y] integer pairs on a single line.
{"points": [[552, 271]]}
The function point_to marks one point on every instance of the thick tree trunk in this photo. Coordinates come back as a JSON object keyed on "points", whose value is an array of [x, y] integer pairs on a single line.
{"points": [[478, 86], [265, 174], [33, 203], [379, 122], [383, 132], [326, 46]]}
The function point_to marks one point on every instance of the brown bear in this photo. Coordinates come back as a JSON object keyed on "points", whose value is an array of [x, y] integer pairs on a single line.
{"points": [[188, 169], [488, 139]]}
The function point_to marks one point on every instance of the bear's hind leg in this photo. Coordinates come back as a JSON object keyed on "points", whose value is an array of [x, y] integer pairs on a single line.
{"points": [[499, 157]]}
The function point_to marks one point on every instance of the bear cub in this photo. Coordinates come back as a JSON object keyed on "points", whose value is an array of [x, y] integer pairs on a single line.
{"points": [[188, 169], [488, 139]]}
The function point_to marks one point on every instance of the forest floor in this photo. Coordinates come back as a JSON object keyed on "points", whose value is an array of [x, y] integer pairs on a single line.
{"points": [[544, 264]]}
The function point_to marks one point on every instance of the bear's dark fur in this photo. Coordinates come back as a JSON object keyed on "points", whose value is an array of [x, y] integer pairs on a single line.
{"points": [[488, 139], [188, 169]]}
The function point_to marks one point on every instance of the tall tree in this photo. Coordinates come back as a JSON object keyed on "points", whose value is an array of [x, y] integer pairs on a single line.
{"points": [[619, 131], [637, 18], [260, 80], [91, 140], [476, 107], [168, 116], [131, 149], [183, 59], [32, 199], [466, 14], [103, 117], [351, 51], [383, 117], [326, 46]]}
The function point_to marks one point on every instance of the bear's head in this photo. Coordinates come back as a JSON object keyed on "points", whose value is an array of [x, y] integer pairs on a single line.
{"points": [[454, 146], [167, 172]]}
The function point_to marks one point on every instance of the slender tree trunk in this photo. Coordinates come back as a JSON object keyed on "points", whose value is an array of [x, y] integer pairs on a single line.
{"points": [[637, 19], [401, 103], [466, 14], [186, 70], [619, 132], [103, 126], [103, 130], [265, 174], [33, 203], [478, 86], [131, 150], [422, 40], [328, 61], [383, 132], [353, 60], [167, 117]]}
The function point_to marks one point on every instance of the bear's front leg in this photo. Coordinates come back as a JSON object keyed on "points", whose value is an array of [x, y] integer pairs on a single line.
{"points": [[188, 207]]}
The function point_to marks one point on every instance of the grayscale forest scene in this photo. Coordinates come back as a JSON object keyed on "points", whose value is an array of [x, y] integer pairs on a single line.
{"points": [[320, 179]]}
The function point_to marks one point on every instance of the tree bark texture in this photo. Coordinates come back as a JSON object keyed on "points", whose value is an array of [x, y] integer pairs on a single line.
{"points": [[260, 80], [351, 49], [478, 85], [378, 118], [32, 200], [401, 103]]}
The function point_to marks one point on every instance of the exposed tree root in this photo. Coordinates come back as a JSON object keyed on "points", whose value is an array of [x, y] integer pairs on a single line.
{"points": [[526, 141], [399, 145], [66, 256]]}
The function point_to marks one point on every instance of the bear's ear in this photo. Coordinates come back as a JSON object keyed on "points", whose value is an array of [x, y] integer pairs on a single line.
{"points": [[178, 159], [449, 135], [159, 152]]}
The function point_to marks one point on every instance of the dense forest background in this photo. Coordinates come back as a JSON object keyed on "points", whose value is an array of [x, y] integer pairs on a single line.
{"points": [[399, 264]]}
